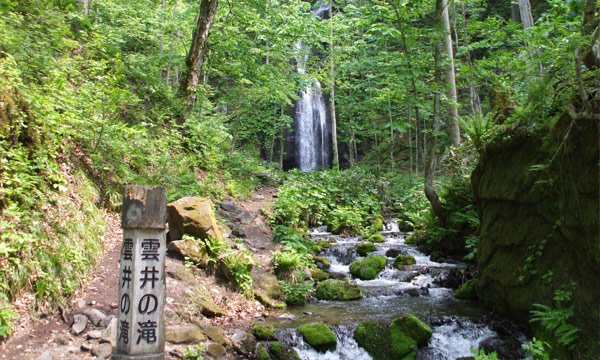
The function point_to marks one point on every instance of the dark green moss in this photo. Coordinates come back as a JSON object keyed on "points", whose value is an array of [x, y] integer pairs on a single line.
{"points": [[403, 260], [280, 352], [337, 290], [365, 248], [318, 275], [368, 268], [375, 338], [467, 290], [403, 345], [413, 328], [319, 336], [263, 353], [325, 264], [263, 331]]}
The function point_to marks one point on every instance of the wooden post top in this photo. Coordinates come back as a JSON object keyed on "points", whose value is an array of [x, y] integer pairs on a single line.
{"points": [[144, 207]]}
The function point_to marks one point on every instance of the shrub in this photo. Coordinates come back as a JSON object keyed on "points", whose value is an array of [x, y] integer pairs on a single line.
{"points": [[296, 293]]}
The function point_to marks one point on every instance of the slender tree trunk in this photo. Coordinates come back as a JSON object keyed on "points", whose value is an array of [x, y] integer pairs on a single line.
{"points": [[334, 142], [429, 187], [514, 12], [195, 58], [474, 100], [281, 142], [85, 7], [161, 46], [444, 20], [391, 133], [525, 13], [589, 55]]}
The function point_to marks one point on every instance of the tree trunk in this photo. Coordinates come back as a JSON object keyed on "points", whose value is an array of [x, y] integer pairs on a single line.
{"points": [[590, 55], [195, 57], [334, 142], [429, 187], [443, 19], [525, 12], [85, 7]]}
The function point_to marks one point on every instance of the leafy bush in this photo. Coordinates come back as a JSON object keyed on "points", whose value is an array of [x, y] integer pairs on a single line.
{"points": [[7, 315], [239, 264]]}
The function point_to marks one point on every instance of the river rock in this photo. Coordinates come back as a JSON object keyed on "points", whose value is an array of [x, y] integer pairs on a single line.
{"points": [[109, 334], [79, 323], [215, 334], [102, 350], [506, 347], [338, 290], [243, 342], [193, 250], [184, 334], [96, 316], [193, 216], [393, 253], [319, 336]]}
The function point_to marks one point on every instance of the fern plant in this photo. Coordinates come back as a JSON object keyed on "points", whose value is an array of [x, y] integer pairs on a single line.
{"points": [[555, 319]]}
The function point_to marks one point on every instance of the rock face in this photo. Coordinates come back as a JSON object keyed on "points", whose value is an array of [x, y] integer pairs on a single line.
{"points": [[193, 216], [539, 224]]}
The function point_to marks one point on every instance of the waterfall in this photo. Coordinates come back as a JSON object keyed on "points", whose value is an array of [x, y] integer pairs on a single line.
{"points": [[311, 125]]}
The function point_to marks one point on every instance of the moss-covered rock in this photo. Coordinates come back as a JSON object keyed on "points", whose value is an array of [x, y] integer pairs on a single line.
{"points": [[280, 352], [402, 261], [318, 275], [365, 248], [413, 327], [467, 290], [263, 353], [368, 268], [263, 331], [319, 336], [324, 244], [376, 238], [377, 225], [337, 290], [375, 338], [193, 216], [322, 262]]}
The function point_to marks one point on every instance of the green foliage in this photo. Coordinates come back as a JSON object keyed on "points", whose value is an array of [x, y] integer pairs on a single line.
{"points": [[555, 319], [193, 352], [340, 290], [401, 261], [239, 264], [537, 349], [296, 292], [7, 315], [365, 248], [478, 129], [482, 355]]}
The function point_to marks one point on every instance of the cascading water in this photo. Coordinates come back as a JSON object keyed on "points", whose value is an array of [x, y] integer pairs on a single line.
{"points": [[311, 125], [417, 289]]}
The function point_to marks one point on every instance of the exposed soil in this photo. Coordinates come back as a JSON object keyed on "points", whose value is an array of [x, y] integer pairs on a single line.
{"points": [[36, 334]]}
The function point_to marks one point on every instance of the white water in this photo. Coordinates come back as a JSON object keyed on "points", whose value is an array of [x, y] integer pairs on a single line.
{"points": [[312, 131]]}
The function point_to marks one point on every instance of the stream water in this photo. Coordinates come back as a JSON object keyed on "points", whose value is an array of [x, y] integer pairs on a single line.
{"points": [[455, 323]]}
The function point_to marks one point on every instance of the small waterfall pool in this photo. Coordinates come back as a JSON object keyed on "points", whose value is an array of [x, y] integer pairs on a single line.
{"points": [[455, 323]]}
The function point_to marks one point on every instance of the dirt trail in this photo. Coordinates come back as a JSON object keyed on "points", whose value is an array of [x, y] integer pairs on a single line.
{"points": [[51, 333]]}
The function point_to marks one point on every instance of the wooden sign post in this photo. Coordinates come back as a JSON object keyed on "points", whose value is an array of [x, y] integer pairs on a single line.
{"points": [[141, 327]]}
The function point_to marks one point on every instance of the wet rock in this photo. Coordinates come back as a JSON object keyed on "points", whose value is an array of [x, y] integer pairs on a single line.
{"points": [[319, 336], [393, 253], [412, 327], [109, 334], [365, 248], [243, 343], [368, 268], [322, 262], [79, 323], [102, 350], [193, 250], [452, 278], [401, 261], [193, 216], [467, 290], [96, 316], [263, 331], [506, 347], [184, 334], [437, 256], [281, 352], [215, 351], [46, 355]]}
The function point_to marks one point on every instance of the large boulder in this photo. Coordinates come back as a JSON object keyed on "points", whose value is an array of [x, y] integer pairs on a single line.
{"points": [[193, 216], [319, 336], [191, 249], [368, 268]]}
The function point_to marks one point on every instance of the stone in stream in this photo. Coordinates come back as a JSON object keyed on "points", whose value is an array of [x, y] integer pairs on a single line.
{"points": [[338, 290], [467, 290], [263, 331], [79, 323], [368, 268], [365, 248], [319, 336], [401, 261]]}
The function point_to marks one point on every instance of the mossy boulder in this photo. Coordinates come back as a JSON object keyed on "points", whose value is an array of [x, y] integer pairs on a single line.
{"points": [[278, 351], [413, 327], [340, 290], [377, 225], [262, 352], [191, 249], [319, 336], [376, 238], [323, 244], [365, 248], [263, 331], [368, 268], [318, 275], [401, 261], [322, 262], [467, 290], [374, 337]]}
